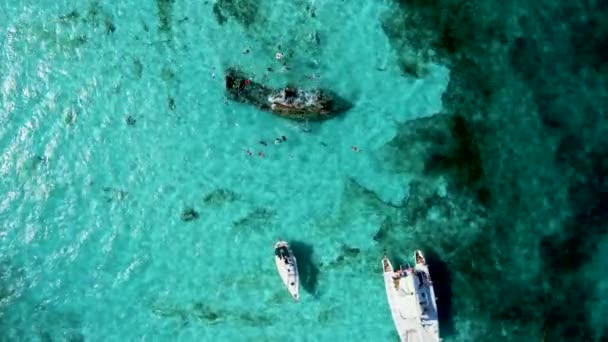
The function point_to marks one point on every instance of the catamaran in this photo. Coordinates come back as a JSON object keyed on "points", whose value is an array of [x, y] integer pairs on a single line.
{"points": [[288, 268], [412, 301]]}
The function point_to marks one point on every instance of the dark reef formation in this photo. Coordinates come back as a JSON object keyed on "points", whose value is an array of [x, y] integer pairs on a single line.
{"points": [[89, 24], [244, 12], [522, 143], [165, 14], [288, 102], [254, 219], [220, 196]]}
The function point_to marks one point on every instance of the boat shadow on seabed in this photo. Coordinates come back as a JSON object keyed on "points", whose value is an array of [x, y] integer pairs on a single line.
{"points": [[307, 268], [288, 102], [442, 284]]}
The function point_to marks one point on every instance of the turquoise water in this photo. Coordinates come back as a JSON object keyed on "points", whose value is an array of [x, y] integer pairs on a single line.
{"points": [[93, 244], [482, 132]]}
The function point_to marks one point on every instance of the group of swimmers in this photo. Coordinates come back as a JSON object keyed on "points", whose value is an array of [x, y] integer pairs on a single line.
{"points": [[261, 154], [279, 57], [276, 141]]}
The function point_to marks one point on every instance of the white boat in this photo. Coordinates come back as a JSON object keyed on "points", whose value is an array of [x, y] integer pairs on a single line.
{"points": [[288, 268], [412, 302]]}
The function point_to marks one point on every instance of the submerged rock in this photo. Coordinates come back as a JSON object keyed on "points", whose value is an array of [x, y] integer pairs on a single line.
{"points": [[69, 17], [206, 314], [189, 214], [288, 102], [165, 14], [245, 12], [349, 251], [220, 196], [130, 120], [259, 216]]}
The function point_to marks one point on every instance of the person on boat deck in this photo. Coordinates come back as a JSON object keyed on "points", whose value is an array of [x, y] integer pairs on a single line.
{"points": [[420, 278], [284, 254]]}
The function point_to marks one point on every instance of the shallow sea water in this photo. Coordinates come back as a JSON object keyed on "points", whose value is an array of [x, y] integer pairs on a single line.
{"points": [[111, 124]]}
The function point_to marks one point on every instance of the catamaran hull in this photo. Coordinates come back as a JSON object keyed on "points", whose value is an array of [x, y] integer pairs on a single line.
{"points": [[403, 302]]}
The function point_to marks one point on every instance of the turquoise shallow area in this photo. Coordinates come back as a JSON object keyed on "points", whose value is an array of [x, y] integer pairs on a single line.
{"points": [[482, 129], [92, 243]]}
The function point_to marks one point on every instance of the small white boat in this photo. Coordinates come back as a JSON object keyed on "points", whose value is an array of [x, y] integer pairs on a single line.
{"points": [[410, 304], [288, 268]]}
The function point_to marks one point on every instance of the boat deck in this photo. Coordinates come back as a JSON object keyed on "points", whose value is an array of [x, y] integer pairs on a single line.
{"points": [[406, 299]]}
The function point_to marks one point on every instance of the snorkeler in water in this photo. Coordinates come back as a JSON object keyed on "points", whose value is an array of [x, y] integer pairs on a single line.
{"points": [[280, 140]]}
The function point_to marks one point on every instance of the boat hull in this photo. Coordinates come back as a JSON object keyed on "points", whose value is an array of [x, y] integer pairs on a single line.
{"points": [[287, 268], [426, 295]]}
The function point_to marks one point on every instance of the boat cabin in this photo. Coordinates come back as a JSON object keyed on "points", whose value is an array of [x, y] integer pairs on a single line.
{"points": [[283, 253]]}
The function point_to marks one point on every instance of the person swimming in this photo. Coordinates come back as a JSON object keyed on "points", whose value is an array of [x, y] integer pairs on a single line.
{"points": [[279, 140]]}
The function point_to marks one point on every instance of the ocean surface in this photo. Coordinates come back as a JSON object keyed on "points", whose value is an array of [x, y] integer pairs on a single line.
{"points": [[131, 210]]}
